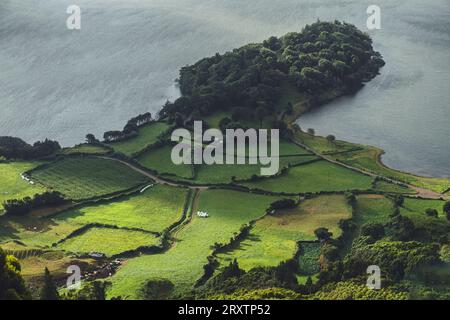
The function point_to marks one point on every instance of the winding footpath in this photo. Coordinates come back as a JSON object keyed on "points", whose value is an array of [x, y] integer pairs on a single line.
{"points": [[420, 192]]}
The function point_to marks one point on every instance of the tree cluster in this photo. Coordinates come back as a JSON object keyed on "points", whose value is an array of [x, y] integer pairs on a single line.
{"points": [[15, 148], [130, 130], [25, 205], [247, 81]]}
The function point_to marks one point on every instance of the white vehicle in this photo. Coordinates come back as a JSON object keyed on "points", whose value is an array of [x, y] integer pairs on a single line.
{"points": [[202, 214]]}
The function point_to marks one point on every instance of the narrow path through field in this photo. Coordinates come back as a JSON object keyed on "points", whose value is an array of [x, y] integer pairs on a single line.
{"points": [[421, 192], [156, 178]]}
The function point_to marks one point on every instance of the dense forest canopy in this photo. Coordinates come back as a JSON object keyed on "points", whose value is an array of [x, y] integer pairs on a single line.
{"points": [[15, 148], [324, 56]]}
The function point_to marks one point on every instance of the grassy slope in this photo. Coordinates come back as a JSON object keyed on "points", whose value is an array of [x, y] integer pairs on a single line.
{"points": [[223, 173], [154, 210], [85, 149], [373, 208], [183, 263], [108, 241], [148, 135], [34, 232], [315, 177], [274, 238], [12, 186], [384, 186], [369, 158], [87, 177], [415, 209]]}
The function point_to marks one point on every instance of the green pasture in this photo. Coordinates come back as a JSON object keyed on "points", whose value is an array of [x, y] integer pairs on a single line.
{"points": [[183, 263], [87, 177], [148, 135], [154, 210], [391, 188], [12, 186], [160, 160], [369, 158], [314, 177], [373, 209], [212, 174], [85, 149], [274, 238], [108, 241]]}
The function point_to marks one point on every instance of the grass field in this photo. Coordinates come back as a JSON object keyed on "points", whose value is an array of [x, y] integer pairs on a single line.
{"points": [[34, 232], [211, 174], [108, 241], [392, 188], [12, 186], [183, 263], [415, 210], [274, 238], [85, 149], [421, 205], [321, 144], [160, 160], [148, 135], [87, 177], [373, 208], [154, 210], [315, 177]]}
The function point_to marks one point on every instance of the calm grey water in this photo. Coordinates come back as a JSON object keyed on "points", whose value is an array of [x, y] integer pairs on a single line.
{"points": [[63, 84]]}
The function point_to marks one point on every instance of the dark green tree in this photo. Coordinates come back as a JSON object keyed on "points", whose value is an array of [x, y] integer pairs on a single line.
{"points": [[323, 234], [49, 290], [331, 138], [447, 209], [431, 213], [12, 285]]}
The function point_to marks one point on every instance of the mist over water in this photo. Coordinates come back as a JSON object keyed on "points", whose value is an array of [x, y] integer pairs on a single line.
{"points": [[62, 84]]}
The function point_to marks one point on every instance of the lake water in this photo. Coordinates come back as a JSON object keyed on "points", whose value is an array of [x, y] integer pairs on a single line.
{"points": [[63, 84]]}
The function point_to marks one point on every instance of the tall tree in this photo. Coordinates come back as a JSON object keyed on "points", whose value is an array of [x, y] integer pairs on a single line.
{"points": [[12, 285]]}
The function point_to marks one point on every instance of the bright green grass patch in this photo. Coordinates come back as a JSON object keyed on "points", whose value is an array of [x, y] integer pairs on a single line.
{"points": [[274, 238], [212, 174], [88, 177], [154, 210], [160, 160], [183, 263], [148, 135], [315, 177], [12, 186], [373, 208], [85, 149], [108, 241]]}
